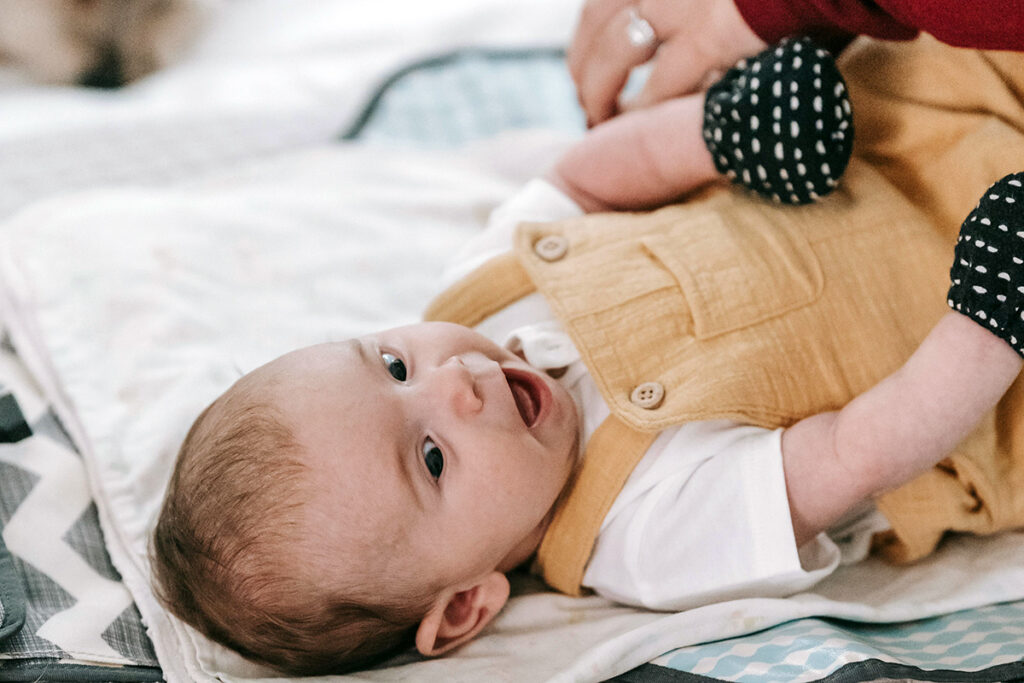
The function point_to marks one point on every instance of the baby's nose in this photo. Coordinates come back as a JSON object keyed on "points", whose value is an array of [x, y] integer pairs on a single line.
{"points": [[458, 386]]}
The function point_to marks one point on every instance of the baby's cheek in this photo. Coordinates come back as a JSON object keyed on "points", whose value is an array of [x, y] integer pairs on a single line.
{"points": [[512, 484]]}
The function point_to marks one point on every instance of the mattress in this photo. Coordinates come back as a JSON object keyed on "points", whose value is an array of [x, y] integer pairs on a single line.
{"points": [[437, 141]]}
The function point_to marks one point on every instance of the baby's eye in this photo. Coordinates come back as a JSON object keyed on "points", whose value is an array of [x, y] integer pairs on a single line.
{"points": [[433, 457], [394, 365]]}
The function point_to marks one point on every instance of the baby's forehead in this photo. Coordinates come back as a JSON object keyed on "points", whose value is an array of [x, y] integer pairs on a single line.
{"points": [[315, 357], [296, 368], [284, 389], [325, 393]]}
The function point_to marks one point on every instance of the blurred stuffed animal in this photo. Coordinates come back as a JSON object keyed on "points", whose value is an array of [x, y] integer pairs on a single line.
{"points": [[97, 43]]}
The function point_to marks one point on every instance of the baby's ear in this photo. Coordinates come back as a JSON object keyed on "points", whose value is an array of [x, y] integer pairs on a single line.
{"points": [[455, 618]]}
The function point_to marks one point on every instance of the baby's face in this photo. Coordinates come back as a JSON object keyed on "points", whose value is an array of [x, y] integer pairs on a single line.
{"points": [[431, 449]]}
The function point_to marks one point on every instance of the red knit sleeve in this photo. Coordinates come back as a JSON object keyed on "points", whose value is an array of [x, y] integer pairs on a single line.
{"points": [[993, 24]]}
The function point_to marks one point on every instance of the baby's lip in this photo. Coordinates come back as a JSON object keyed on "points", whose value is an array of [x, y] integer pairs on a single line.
{"points": [[531, 394]]}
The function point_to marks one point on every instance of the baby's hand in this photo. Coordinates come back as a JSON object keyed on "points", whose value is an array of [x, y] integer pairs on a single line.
{"points": [[988, 264], [780, 123], [640, 159], [916, 416]]}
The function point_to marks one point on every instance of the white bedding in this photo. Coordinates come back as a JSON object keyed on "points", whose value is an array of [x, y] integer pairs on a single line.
{"points": [[134, 306], [138, 306], [266, 76]]}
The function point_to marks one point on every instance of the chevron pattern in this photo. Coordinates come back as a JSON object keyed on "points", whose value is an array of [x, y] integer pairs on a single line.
{"points": [[77, 608]]}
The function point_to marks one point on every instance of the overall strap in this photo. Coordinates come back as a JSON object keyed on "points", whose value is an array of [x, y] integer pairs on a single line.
{"points": [[611, 454], [483, 292]]}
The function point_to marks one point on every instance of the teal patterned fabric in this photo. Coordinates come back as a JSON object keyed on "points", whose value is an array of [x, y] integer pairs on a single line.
{"points": [[452, 99], [811, 649]]}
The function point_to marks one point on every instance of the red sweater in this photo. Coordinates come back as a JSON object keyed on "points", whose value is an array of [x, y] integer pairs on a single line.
{"points": [[982, 24]]}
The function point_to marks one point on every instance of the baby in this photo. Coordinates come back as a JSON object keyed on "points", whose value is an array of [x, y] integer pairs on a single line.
{"points": [[349, 499]]}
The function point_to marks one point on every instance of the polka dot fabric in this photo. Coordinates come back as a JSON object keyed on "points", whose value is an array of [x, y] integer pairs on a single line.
{"points": [[780, 123], [988, 264]]}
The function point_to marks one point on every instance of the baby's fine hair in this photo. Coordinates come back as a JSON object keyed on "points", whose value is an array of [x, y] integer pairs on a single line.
{"points": [[220, 552]]}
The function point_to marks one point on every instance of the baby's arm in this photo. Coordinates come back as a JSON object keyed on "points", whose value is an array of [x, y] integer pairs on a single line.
{"points": [[639, 159], [917, 416], [779, 123], [899, 428]]}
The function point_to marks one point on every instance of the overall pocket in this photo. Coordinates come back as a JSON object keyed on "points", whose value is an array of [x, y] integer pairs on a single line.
{"points": [[736, 274]]}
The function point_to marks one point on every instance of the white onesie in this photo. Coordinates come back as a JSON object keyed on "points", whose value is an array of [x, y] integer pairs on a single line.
{"points": [[704, 516]]}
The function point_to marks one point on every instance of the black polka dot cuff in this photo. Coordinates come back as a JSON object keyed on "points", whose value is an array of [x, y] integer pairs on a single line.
{"points": [[780, 123], [988, 263]]}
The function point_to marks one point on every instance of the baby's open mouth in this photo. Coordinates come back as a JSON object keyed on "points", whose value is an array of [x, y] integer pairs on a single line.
{"points": [[529, 393]]}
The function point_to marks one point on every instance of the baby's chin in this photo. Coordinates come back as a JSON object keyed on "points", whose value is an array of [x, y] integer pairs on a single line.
{"points": [[572, 417], [568, 423], [521, 554]]}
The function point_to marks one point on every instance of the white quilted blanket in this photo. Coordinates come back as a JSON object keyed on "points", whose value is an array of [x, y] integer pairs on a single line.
{"points": [[134, 306], [138, 306], [267, 76]]}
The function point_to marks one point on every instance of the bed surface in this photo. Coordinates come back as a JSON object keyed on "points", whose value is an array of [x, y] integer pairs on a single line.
{"points": [[256, 186]]}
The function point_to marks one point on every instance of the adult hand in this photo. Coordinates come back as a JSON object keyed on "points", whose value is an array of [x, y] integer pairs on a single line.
{"points": [[694, 41]]}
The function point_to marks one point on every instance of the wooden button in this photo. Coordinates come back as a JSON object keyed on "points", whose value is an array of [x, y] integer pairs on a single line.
{"points": [[551, 248], [648, 395]]}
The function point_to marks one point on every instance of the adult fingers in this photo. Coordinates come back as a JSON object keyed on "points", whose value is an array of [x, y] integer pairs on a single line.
{"points": [[678, 69], [603, 70], [593, 18]]}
